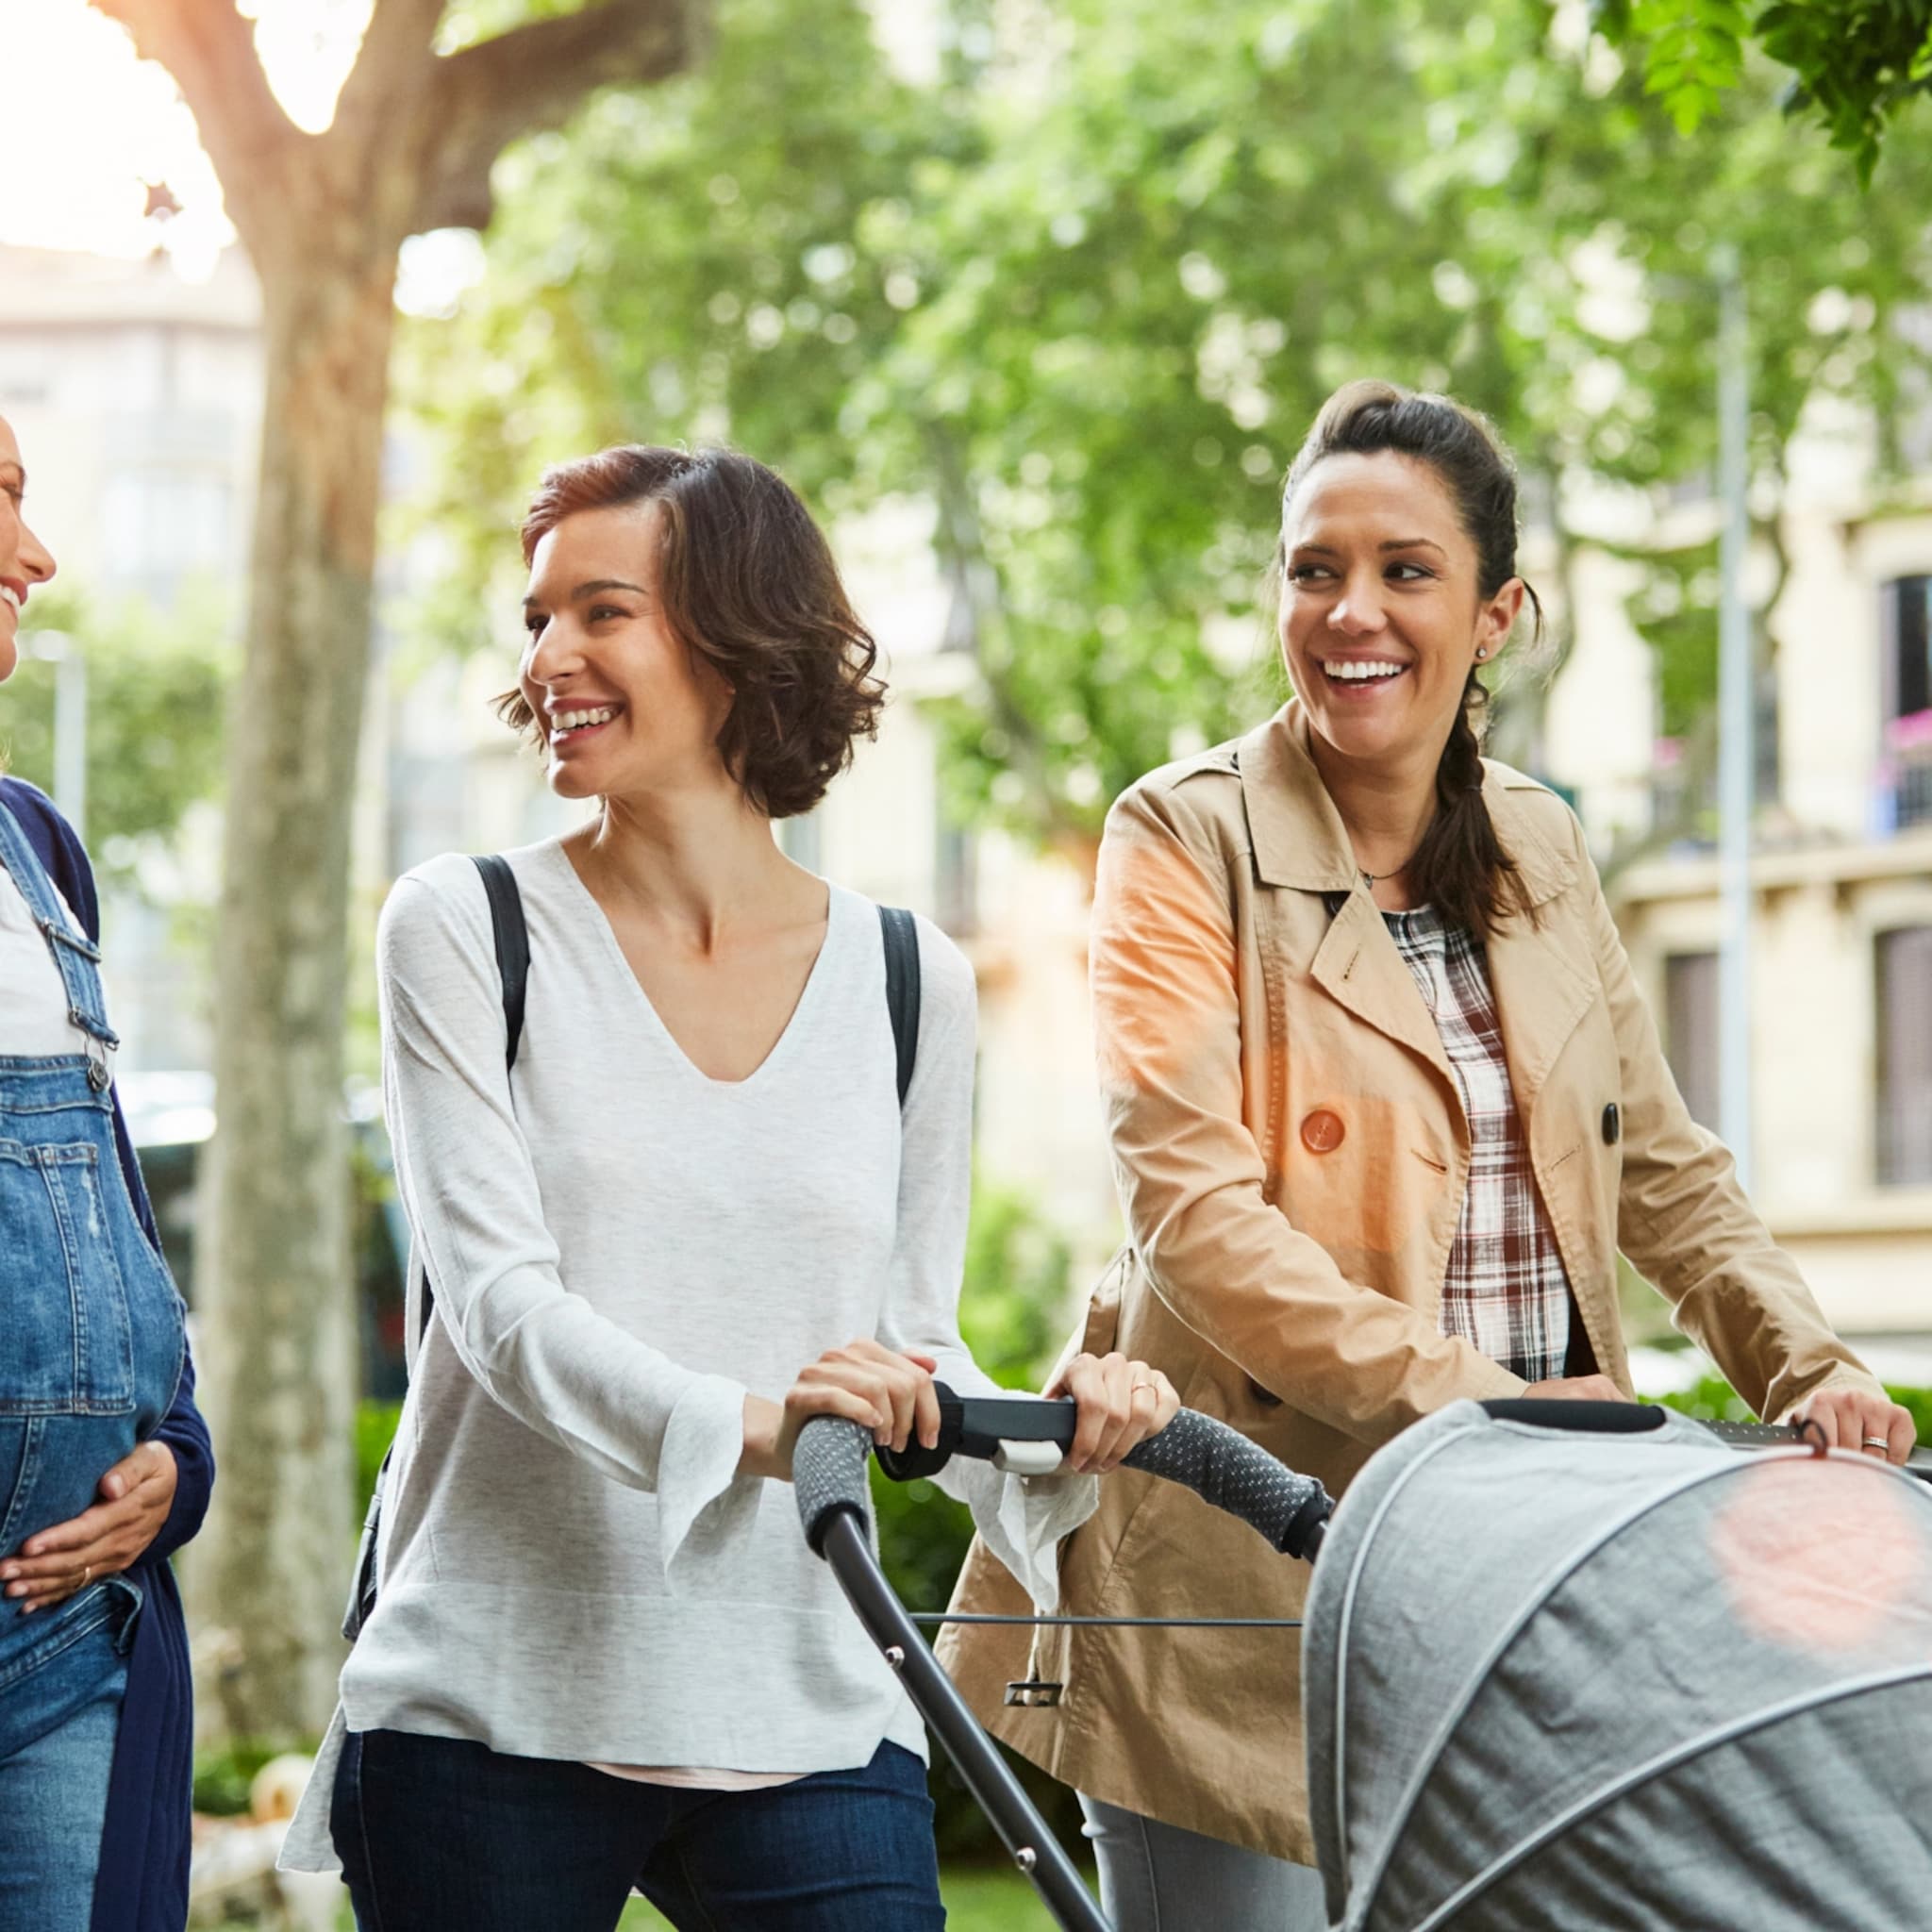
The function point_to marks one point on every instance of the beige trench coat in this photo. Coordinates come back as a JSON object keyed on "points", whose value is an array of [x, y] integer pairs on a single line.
{"points": [[1288, 1283]]}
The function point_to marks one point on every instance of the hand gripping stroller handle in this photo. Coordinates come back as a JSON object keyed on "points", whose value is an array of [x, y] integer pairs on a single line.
{"points": [[1222, 1467], [828, 1465]]}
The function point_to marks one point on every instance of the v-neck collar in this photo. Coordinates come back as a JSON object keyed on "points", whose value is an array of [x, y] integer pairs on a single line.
{"points": [[809, 996]]}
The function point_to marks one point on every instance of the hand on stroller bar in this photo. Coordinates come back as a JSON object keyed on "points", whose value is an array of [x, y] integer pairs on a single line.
{"points": [[1217, 1462]]}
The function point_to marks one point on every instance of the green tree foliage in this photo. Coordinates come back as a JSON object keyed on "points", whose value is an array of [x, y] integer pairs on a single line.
{"points": [[155, 682], [715, 261], [1081, 294], [1137, 299], [1014, 1293], [1833, 283], [1854, 64]]}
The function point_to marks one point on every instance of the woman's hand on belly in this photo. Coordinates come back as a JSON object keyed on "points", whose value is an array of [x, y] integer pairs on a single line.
{"points": [[864, 1382], [55, 1564]]}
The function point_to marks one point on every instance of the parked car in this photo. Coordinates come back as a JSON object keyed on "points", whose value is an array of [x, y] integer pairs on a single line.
{"points": [[172, 1116]]}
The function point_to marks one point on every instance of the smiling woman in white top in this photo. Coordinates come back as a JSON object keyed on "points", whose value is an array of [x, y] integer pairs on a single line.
{"points": [[600, 1656]]}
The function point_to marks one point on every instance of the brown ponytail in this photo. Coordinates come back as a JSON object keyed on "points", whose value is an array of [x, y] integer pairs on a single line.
{"points": [[1460, 867]]}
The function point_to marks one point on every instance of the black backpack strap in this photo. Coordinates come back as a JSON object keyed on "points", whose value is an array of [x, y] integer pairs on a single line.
{"points": [[900, 935], [512, 945], [513, 968], [512, 937]]}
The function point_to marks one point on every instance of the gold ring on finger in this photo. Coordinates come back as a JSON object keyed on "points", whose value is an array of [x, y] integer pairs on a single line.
{"points": [[87, 1574]]}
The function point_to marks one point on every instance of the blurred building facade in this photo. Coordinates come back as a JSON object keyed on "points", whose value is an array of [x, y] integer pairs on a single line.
{"points": [[136, 394], [1841, 872]]}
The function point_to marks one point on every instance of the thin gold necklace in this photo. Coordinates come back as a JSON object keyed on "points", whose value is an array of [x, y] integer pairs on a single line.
{"points": [[1372, 879]]}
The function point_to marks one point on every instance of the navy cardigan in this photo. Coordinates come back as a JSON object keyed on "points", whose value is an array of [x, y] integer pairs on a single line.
{"points": [[143, 1886]]}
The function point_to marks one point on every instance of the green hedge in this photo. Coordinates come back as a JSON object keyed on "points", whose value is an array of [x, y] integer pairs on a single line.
{"points": [[223, 1773]]}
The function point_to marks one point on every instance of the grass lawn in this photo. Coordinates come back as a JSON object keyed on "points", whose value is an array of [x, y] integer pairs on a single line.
{"points": [[978, 1899]]}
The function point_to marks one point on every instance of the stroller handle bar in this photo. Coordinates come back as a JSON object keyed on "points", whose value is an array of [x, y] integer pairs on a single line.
{"points": [[1219, 1463]]}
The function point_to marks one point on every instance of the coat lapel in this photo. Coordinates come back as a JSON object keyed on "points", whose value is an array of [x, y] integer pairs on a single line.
{"points": [[1541, 990], [1357, 964], [1299, 842]]}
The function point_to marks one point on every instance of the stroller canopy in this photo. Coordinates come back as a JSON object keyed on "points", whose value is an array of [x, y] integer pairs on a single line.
{"points": [[1632, 1681]]}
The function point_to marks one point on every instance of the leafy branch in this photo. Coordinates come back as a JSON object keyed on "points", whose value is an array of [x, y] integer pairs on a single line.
{"points": [[1854, 63]]}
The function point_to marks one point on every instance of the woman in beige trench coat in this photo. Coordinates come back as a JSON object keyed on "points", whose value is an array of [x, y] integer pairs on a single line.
{"points": [[1291, 1130]]}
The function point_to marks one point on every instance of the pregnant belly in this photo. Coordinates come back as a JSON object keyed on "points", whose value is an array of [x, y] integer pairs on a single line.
{"points": [[50, 1466]]}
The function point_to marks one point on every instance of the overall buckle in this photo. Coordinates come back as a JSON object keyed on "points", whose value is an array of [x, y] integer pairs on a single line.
{"points": [[100, 1051]]}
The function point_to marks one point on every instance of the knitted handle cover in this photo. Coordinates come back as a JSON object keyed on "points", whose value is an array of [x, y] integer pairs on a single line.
{"points": [[828, 1474], [1224, 1468]]}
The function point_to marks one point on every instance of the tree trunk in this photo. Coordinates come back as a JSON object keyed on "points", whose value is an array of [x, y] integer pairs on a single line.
{"points": [[278, 1327]]}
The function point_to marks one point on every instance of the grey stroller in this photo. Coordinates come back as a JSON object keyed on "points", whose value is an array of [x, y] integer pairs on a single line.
{"points": [[1613, 1676], [1565, 1665]]}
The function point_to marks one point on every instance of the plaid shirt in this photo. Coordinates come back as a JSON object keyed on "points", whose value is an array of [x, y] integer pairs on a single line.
{"points": [[1505, 1291]]}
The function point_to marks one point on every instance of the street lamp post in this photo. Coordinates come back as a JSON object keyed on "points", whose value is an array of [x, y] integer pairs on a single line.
{"points": [[70, 723], [1737, 704]]}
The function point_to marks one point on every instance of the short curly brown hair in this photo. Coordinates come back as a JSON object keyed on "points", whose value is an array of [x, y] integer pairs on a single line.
{"points": [[747, 581]]}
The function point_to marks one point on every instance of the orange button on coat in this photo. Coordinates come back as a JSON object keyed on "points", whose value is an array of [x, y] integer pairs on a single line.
{"points": [[1323, 1131]]}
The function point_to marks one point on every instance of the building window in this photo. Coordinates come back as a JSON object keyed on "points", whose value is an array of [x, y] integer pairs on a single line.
{"points": [[1906, 754], [1691, 1031], [1684, 797], [1905, 1056], [956, 879]]}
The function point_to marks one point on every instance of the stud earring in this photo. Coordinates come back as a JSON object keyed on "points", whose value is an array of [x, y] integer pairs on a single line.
{"points": [[1482, 651]]}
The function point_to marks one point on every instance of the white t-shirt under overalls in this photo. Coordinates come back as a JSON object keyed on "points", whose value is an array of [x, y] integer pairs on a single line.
{"points": [[32, 999]]}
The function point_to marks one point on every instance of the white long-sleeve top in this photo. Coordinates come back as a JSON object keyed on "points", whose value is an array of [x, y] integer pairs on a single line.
{"points": [[622, 1247]]}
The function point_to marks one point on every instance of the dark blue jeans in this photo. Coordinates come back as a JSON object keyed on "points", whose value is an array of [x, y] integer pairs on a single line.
{"points": [[440, 1835]]}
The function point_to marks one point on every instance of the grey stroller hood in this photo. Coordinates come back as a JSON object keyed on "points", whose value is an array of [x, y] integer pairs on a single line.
{"points": [[1560, 1680]]}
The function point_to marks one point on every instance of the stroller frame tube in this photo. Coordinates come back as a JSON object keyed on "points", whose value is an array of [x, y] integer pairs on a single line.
{"points": [[994, 1789]]}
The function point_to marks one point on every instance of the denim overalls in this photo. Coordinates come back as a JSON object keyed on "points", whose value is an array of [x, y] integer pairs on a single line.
{"points": [[90, 1327]]}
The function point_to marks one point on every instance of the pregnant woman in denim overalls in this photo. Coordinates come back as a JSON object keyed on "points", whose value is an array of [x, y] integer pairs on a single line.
{"points": [[91, 1369]]}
